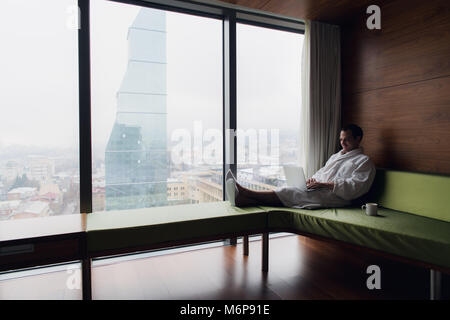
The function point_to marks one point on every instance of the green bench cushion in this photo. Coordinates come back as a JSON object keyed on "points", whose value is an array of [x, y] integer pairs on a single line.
{"points": [[421, 194], [398, 233], [144, 227]]}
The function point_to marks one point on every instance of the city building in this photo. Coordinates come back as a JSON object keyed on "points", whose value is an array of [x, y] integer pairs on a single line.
{"points": [[11, 170], [98, 199], [177, 191], [22, 193], [40, 168], [136, 168], [7, 208], [3, 191], [32, 209]]}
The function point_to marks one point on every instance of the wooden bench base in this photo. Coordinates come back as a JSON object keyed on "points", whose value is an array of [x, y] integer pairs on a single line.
{"points": [[87, 261]]}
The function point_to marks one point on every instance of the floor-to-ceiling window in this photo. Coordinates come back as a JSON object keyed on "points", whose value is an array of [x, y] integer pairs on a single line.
{"points": [[156, 95], [39, 166], [268, 104], [156, 107]]}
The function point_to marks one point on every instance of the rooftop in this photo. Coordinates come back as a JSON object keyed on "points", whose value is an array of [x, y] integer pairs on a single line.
{"points": [[22, 190]]}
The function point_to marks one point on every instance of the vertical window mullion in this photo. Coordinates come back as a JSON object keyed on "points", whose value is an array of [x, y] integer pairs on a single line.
{"points": [[230, 98], [85, 108], [229, 95]]}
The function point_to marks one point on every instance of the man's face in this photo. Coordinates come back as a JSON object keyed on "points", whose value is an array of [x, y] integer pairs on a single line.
{"points": [[348, 142]]}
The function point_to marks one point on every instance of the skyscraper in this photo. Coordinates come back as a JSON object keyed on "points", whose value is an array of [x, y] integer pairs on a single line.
{"points": [[136, 168]]}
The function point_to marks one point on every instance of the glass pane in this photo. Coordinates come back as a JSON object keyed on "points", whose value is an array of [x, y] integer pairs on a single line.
{"points": [[156, 107], [268, 104], [39, 171]]}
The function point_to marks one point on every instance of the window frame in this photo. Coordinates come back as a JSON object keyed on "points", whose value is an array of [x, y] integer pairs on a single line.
{"points": [[230, 16]]}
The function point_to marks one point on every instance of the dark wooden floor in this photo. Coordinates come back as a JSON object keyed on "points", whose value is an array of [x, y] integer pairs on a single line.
{"points": [[299, 268]]}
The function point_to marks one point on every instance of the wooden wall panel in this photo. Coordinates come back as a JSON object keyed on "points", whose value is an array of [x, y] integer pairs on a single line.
{"points": [[396, 85], [412, 45], [406, 127], [330, 11]]}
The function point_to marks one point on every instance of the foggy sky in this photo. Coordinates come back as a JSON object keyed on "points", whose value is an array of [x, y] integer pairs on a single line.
{"points": [[39, 72]]}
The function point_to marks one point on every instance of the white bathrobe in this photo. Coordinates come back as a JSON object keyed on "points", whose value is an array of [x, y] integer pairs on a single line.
{"points": [[352, 174]]}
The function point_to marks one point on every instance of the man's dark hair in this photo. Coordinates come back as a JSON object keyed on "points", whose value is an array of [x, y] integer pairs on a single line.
{"points": [[356, 130]]}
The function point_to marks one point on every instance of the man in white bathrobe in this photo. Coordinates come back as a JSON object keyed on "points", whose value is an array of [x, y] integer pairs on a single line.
{"points": [[346, 176]]}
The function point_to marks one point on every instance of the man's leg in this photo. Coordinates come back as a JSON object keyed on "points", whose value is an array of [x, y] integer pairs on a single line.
{"points": [[257, 197], [243, 201]]}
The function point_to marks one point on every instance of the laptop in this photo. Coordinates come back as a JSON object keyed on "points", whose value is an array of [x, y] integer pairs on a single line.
{"points": [[295, 177]]}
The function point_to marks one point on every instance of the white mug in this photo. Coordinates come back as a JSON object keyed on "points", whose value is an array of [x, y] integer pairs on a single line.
{"points": [[370, 208]]}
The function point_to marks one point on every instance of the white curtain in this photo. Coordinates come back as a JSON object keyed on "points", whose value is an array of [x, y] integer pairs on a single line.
{"points": [[321, 95], [304, 120]]}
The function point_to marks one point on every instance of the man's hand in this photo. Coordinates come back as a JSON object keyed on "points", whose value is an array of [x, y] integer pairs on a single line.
{"points": [[310, 181], [314, 184]]}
